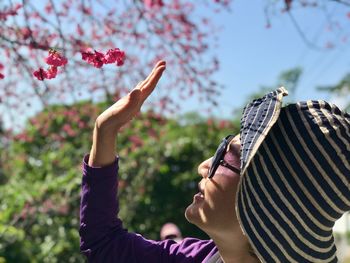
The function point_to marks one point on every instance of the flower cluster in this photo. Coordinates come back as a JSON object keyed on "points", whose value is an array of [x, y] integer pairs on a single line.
{"points": [[98, 59], [153, 3], [1, 68], [42, 74], [54, 60], [9, 12]]}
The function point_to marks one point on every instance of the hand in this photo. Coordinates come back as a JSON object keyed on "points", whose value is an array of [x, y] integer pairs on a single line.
{"points": [[111, 120], [121, 112]]}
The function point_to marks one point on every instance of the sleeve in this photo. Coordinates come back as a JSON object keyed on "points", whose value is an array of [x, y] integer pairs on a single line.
{"points": [[103, 238]]}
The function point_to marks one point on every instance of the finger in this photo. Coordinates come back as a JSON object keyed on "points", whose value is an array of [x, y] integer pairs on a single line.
{"points": [[148, 88], [159, 63], [138, 85]]}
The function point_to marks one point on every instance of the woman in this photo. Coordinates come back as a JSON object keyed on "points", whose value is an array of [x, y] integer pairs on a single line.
{"points": [[270, 194]]}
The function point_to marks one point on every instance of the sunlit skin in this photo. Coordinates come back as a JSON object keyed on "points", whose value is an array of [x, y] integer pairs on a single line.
{"points": [[214, 210], [218, 194], [214, 213]]}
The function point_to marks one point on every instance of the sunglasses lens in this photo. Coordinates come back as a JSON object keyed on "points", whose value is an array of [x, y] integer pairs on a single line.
{"points": [[217, 157]]}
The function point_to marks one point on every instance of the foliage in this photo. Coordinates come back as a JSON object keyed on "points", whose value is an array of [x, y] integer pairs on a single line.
{"points": [[40, 171], [288, 78], [341, 89], [40, 196], [39, 218]]}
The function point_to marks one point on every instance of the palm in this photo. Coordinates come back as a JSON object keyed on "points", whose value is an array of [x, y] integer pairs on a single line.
{"points": [[126, 108]]}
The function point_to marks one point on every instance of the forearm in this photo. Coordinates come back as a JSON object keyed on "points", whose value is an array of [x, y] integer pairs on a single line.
{"points": [[103, 150], [99, 205]]}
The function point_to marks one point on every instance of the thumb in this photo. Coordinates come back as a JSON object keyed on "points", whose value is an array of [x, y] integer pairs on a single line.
{"points": [[134, 100], [134, 96]]}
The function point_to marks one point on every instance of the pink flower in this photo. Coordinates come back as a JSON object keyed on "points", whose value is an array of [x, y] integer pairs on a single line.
{"points": [[152, 3], [136, 140], [86, 10], [148, 3], [68, 129], [120, 60], [348, 15], [2, 76], [25, 33], [51, 72], [40, 74], [10, 12], [87, 56], [115, 55], [55, 59], [48, 8], [98, 59], [16, 8], [111, 56]]}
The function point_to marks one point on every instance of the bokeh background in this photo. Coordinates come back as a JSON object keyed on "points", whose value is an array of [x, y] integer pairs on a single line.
{"points": [[220, 54]]}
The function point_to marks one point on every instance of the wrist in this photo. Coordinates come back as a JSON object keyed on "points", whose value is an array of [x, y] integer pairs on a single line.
{"points": [[104, 135], [103, 150]]}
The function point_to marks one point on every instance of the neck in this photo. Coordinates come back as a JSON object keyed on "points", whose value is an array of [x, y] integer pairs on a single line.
{"points": [[233, 246]]}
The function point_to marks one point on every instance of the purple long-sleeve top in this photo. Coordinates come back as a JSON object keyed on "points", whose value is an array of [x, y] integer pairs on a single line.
{"points": [[103, 238]]}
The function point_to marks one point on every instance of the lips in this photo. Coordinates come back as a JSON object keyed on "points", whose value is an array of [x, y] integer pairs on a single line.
{"points": [[198, 197], [200, 194]]}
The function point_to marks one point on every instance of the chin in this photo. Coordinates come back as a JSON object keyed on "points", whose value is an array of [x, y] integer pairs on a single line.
{"points": [[190, 214], [193, 216]]}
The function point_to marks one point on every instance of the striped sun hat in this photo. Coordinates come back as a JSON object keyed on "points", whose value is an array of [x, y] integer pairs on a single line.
{"points": [[295, 174]]}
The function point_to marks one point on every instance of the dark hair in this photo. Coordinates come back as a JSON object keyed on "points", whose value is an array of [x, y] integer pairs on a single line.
{"points": [[251, 251]]}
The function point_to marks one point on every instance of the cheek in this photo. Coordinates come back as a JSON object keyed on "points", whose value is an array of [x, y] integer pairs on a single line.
{"points": [[222, 192]]}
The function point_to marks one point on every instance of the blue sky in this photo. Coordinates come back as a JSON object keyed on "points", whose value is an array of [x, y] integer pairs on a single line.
{"points": [[252, 55]]}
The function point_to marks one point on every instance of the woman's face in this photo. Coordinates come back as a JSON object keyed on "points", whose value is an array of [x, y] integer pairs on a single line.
{"points": [[213, 208]]}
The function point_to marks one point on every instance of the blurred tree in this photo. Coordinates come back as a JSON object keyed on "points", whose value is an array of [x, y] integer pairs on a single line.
{"points": [[288, 79], [158, 177], [341, 90], [146, 30], [329, 28]]}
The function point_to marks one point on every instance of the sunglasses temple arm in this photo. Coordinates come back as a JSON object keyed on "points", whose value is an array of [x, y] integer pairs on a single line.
{"points": [[232, 168]]}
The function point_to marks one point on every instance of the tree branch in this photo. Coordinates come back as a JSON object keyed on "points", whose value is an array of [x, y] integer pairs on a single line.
{"points": [[343, 2], [302, 35]]}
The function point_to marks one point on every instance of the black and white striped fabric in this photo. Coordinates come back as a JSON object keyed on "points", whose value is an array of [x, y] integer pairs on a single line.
{"points": [[295, 175]]}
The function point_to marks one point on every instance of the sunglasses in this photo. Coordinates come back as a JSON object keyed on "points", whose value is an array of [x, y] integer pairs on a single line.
{"points": [[218, 158]]}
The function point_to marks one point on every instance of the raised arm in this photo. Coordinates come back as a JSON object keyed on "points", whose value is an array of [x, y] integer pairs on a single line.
{"points": [[103, 238], [99, 224]]}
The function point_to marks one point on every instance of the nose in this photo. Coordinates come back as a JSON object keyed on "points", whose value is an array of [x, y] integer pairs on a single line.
{"points": [[203, 168], [201, 186]]}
